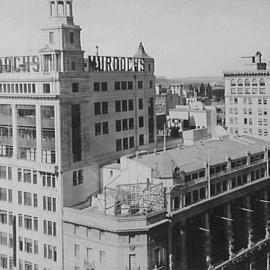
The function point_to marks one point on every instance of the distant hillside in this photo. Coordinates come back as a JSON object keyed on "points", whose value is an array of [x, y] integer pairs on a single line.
{"points": [[190, 80]]}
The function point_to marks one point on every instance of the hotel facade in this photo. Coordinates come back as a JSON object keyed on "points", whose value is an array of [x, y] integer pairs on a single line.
{"points": [[62, 116]]}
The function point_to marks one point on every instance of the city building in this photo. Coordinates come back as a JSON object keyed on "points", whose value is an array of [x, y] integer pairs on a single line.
{"points": [[62, 116], [247, 94], [193, 116], [204, 206]]}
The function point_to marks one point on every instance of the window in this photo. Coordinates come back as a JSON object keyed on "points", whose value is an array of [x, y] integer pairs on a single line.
{"points": [[96, 86], [233, 83], [240, 82], [27, 199], [130, 104], [124, 85], [125, 143], [247, 82], [71, 37], [131, 142], [51, 37], [105, 127], [46, 88], [141, 122], [98, 129], [131, 123], [130, 85], [118, 145], [140, 84], [118, 125], [125, 124], [254, 82], [97, 108], [262, 82], [101, 257], [73, 65], [104, 86], [124, 105], [151, 84], [77, 177], [104, 107], [117, 85], [117, 106], [140, 104], [76, 250], [75, 87], [141, 139]]}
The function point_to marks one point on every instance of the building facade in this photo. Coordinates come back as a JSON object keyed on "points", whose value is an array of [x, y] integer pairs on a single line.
{"points": [[62, 115], [204, 206], [247, 100]]}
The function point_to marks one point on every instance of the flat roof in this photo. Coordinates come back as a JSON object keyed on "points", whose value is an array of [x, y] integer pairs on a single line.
{"points": [[192, 158]]}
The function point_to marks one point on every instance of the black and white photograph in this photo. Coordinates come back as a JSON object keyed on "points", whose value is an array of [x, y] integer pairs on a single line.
{"points": [[134, 135]]}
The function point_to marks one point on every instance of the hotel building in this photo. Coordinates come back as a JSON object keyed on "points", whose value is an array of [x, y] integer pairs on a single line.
{"points": [[247, 99], [62, 116]]}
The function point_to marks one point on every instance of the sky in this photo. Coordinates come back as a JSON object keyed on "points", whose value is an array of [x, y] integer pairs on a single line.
{"points": [[186, 37]]}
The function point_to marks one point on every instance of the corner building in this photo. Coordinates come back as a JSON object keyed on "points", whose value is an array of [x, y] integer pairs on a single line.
{"points": [[247, 99], [62, 116]]}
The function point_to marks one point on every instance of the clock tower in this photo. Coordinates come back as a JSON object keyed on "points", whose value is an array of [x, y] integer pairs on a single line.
{"points": [[62, 52]]}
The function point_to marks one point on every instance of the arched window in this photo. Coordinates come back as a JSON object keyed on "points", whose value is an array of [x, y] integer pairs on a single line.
{"points": [[52, 8], [254, 82], [240, 82], [262, 82], [61, 8], [69, 9], [247, 82], [233, 83]]}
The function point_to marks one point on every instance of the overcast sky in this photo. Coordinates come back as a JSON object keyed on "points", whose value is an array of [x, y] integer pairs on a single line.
{"points": [[186, 37]]}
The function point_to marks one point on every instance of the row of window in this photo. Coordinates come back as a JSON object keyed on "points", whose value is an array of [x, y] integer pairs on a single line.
{"points": [[49, 204], [248, 91], [248, 111], [89, 255], [27, 199], [101, 128], [120, 106], [248, 101], [246, 82], [196, 195], [127, 143], [6, 195], [25, 88], [50, 252], [124, 124], [28, 245], [5, 173], [28, 222]]}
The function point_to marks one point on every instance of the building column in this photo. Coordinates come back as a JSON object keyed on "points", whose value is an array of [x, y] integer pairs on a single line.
{"points": [[183, 239], [208, 256], [14, 131], [229, 231], [249, 223], [170, 246], [38, 134], [266, 215]]}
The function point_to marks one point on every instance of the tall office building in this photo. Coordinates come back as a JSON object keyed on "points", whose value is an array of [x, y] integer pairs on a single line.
{"points": [[62, 115], [247, 96]]}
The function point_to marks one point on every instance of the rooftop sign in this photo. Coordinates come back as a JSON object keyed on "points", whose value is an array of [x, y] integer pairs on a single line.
{"points": [[115, 64], [19, 64]]}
